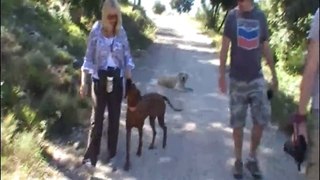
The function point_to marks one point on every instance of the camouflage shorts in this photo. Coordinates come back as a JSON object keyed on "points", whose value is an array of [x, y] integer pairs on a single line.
{"points": [[243, 95]]}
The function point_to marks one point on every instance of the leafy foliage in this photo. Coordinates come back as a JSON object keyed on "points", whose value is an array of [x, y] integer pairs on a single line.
{"points": [[182, 6], [158, 8], [289, 22]]}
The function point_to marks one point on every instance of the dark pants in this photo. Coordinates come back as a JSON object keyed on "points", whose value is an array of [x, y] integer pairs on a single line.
{"points": [[101, 99]]}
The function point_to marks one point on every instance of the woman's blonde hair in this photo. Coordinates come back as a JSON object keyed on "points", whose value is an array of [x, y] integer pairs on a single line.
{"points": [[115, 5]]}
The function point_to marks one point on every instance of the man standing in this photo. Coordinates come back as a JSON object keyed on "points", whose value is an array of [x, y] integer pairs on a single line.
{"points": [[310, 87], [247, 31]]}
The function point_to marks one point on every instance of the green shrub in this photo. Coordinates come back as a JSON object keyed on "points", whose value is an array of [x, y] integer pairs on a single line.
{"points": [[69, 116], [61, 58], [20, 152], [38, 78], [9, 96], [29, 117], [83, 103], [8, 129], [60, 111], [158, 8]]}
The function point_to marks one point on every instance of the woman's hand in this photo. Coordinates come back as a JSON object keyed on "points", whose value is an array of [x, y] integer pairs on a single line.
{"points": [[83, 90], [128, 74]]}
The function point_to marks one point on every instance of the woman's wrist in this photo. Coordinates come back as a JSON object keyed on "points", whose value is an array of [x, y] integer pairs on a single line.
{"points": [[84, 77]]}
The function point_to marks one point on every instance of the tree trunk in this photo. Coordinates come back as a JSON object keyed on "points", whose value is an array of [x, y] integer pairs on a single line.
{"points": [[215, 15], [224, 19]]}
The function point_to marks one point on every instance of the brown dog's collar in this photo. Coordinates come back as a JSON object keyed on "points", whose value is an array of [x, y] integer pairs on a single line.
{"points": [[132, 108]]}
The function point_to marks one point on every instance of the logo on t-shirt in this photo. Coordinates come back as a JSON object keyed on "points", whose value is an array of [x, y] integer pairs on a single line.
{"points": [[248, 31]]}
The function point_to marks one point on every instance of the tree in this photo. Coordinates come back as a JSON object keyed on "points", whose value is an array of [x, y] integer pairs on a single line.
{"points": [[213, 12], [182, 6]]}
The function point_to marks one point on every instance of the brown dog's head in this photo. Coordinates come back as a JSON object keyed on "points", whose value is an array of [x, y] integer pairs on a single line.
{"points": [[183, 77], [132, 93]]}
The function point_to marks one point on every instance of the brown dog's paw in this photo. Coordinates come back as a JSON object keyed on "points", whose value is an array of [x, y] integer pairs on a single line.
{"points": [[152, 147], [126, 166]]}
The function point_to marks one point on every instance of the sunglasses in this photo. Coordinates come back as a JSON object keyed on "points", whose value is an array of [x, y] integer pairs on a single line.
{"points": [[240, 0], [112, 16]]}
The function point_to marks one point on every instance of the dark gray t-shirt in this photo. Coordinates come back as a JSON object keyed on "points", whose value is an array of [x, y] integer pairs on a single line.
{"points": [[247, 31]]}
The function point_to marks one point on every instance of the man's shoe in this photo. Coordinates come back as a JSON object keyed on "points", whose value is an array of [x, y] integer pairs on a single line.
{"points": [[238, 169], [253, 167]]}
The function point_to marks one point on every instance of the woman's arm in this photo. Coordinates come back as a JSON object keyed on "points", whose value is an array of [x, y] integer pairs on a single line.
{"points": [[87, 66], [129, 64]]}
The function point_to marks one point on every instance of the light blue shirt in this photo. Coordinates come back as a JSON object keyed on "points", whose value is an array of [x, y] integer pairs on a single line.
{"points": [[103, 52]]}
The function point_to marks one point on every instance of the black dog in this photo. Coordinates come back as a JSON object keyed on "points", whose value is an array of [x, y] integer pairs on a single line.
{"points": [[297, 148]]}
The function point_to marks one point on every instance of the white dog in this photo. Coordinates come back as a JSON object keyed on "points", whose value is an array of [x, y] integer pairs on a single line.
{"points": [[175, 81]]}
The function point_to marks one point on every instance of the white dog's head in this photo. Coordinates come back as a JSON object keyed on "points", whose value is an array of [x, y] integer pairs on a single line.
{"points": [[183, 77]]}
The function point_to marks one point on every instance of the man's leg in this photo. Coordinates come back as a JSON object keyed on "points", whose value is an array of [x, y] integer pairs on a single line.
{"points": [[256, 135], [261, 115], [238, 112], [313, 158], [238, 141]]}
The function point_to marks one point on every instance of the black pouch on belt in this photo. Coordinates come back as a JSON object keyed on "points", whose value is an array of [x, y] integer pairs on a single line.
{"points": [[108, 78]]}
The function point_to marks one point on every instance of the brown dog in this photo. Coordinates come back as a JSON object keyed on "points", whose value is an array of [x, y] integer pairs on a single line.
{"points": [[140, 107]]}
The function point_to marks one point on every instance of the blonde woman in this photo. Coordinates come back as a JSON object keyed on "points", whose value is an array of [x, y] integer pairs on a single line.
{"points": [[108, 61]]}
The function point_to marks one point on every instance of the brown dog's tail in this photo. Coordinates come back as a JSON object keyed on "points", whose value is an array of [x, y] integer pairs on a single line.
{"points": [[168, 101]]}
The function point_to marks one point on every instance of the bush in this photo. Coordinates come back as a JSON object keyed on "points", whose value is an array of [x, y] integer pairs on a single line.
{"points": [[158, 8], [139, 27], [60, 111], [20, 152], [61, 58], [38, 77]]}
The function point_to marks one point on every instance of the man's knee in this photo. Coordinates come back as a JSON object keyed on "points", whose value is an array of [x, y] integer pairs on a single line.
{"points": [[238, 121]]}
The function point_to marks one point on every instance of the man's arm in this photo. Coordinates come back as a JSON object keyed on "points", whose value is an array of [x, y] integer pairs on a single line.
{"points": [[223, 55], [309, 75], [312, 65]]}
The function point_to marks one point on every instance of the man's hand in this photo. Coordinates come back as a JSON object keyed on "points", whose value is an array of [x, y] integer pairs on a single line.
{"points": [[83, 90], [299, 127], [222, 84]]}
